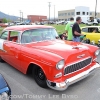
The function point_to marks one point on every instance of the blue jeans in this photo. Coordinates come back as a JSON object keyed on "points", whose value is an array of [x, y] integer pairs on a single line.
{"points": [[76, 39]]}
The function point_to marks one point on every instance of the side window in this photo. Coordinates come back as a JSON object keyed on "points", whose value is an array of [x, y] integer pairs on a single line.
{"points": [[32, 36], [94, 30], [4, 35], [14, 36], [85, 30], [26, 38]]}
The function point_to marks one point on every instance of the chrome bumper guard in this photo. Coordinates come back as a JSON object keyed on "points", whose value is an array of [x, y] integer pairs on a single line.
{"points": [[64, 85]]}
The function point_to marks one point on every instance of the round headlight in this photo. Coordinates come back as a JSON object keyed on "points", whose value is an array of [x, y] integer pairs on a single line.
{"points": [[97, 52], [93, 42], [99, 41], [60, 64], [4, 96]]}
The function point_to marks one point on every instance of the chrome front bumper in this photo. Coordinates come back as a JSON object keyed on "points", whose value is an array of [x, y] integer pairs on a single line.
{"points": [[64, 85]]}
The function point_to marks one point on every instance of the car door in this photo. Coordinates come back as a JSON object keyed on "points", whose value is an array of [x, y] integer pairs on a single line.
{"points": [[85, 30], [3, 38], [93, 36], [12, 49]]}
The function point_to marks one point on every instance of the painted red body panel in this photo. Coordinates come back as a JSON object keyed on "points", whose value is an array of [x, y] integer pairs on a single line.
{"points": [[45, 54], [26, 27]]}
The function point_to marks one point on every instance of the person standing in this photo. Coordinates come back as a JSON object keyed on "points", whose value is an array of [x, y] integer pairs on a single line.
{"points": [[68, 29], [76, 30]]}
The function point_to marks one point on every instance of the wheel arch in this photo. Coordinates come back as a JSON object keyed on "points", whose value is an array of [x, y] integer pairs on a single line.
{"points": [[30, 67]]}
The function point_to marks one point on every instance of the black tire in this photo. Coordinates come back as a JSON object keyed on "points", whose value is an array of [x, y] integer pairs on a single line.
{"points": [[39, 77], [83, 41], [1, 60]]}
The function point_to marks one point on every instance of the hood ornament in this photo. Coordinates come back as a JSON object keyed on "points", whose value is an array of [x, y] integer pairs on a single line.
{"points": [[76, 47], [80, 56]]}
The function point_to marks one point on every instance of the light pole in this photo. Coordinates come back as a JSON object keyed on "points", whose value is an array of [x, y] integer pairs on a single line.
{"points": [[96, 9], [49, 10], [54, 13], [20, 15]]}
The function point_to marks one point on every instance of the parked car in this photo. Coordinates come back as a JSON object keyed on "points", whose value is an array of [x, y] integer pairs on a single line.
{"points": [[3, 25], [51, 22], [60, 22], [93, 36], [5, 90], [98, 20], [90, 22], [66, 22], [54, 63]]}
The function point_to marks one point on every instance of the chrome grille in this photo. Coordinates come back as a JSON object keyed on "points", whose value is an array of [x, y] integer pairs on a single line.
{"points": [[77, 66]]}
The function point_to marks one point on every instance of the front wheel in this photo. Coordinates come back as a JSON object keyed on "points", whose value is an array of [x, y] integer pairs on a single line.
{"points": [[39, 77]]}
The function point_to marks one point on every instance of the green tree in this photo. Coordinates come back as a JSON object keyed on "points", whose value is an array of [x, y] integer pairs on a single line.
{"points": [[4, 20]]}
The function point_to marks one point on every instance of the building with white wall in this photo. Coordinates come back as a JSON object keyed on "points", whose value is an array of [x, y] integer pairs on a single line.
{"points": [[78, 11]]}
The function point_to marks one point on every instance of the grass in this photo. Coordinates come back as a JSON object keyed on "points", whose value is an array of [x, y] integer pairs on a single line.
{"points": [[1, 29], [61, 28]]}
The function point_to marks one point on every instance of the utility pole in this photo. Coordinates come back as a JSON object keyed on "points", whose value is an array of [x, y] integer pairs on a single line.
{"points": [[54, 13], [20, 15], [96, 9], [49, 10]]}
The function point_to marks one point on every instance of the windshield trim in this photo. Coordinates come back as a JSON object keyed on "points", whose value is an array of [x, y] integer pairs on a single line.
{"points": [[39, 41]]}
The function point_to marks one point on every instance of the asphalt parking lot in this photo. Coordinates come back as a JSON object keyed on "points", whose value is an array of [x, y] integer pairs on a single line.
{"points": [[24, 87]]}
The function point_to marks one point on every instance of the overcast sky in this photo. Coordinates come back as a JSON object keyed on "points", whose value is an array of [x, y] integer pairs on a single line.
{"points": [[40, 7]]}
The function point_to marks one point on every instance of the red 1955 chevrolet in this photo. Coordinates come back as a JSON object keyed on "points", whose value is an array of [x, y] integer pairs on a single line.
{"points": [[53, 63]]}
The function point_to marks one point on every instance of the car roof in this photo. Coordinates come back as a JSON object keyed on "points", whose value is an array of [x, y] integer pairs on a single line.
{"points": [[26, 27], [90, 26]]}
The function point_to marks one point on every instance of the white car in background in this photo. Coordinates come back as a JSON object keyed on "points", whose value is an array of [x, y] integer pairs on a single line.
{"points": [[60, 22]]}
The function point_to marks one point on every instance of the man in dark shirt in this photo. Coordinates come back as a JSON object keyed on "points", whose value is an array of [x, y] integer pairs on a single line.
{"points": [[76, 30]]}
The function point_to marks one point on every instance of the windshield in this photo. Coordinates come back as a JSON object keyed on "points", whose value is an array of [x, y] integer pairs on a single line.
{"points": [[36, 35]]}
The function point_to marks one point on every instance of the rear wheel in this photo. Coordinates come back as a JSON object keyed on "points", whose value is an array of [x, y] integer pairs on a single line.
{"points": [[39, 76], [1, 60]]}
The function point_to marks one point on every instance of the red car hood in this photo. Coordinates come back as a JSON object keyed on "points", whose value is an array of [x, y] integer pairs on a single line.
{"points": [[66, 49]]}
